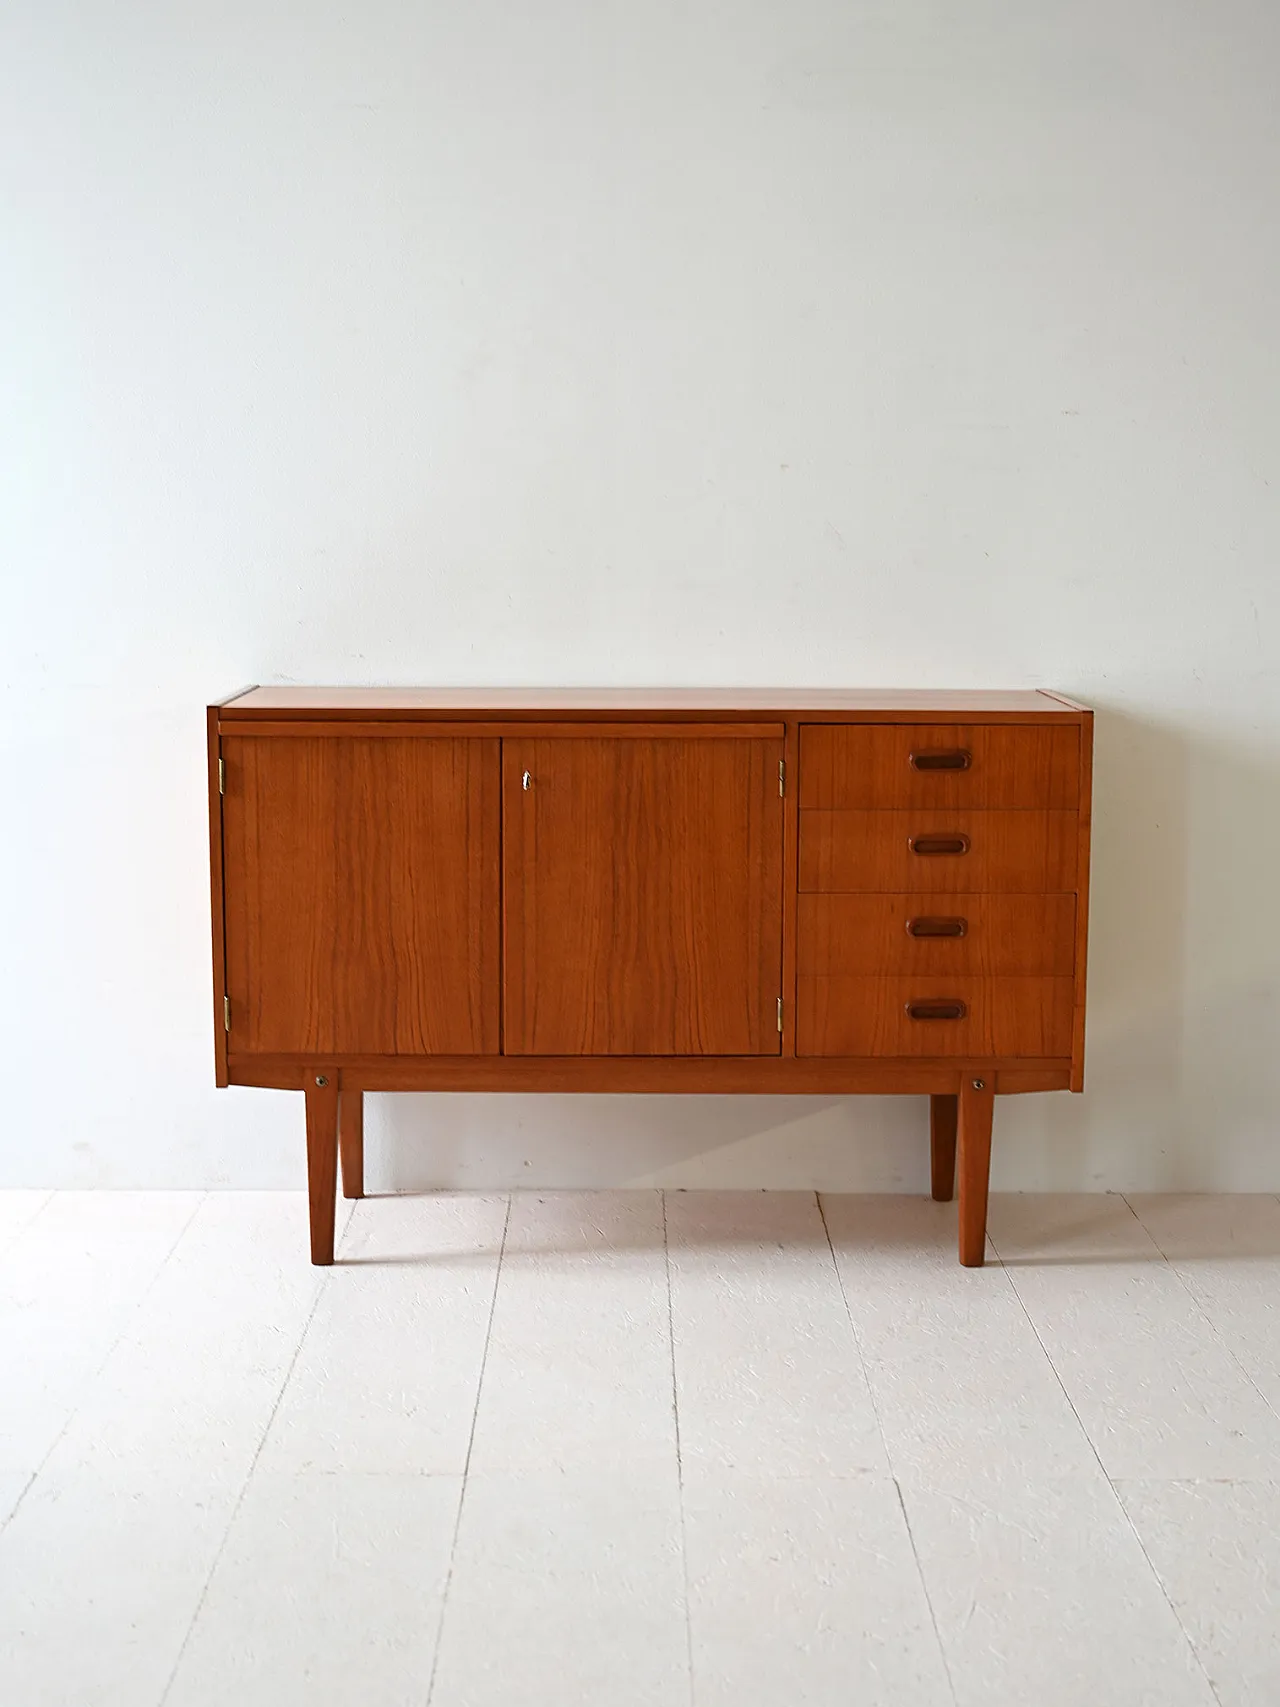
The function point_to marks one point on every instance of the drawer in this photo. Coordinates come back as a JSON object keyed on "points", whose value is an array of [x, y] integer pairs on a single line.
{"points": [[946, 764], [846, 1015], [978, 935], [943, 853]]}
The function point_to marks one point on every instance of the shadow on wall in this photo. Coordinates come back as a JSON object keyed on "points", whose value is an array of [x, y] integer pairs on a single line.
{"points": [[1231, 1021], [749, 1142], [1183, 1052], [1127, 1126]]}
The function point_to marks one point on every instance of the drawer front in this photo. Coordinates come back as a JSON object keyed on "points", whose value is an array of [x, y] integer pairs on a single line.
{"points": [[902, 764], [940, 852], [844, 1015], [924, 935]]}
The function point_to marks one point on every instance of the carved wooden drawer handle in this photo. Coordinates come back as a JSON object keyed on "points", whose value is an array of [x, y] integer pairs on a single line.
{"points": [[937, 927], [929, 846], [936, 1010], [953, 759]]}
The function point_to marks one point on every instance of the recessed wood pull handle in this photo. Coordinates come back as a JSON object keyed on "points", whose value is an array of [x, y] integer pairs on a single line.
{"points": [[936, 1010], [937, 927], [951, 759], [930, 846]]}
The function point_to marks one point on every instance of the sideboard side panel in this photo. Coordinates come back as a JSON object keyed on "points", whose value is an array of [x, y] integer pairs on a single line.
{"points": [[217, 915], [1082, 898], [790, 885]]}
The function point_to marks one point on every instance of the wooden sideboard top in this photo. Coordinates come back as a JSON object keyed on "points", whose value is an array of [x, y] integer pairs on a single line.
{"points": [[883, 704]]}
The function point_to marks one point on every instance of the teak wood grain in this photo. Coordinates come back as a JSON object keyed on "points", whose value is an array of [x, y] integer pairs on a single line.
{"points": [[869, 766], [351, 1142], [321, 1094], [362, 895], [1008, 1017], [649, 1075], [943, 1116], [976, 1107], [1082, 905], [859, 934], [394, 909], [217, 887], [642, 891], [1012, 852], [790, 887], [493, 728]]}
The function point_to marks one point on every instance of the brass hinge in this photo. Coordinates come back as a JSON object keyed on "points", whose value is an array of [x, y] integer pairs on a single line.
{"points": [[779, 1013], [222, 776], [782, 776], [226, 1013]]}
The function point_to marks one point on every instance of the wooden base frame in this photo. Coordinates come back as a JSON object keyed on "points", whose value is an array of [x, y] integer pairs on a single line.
{"points": [[742, 1075], [960, 1121]]}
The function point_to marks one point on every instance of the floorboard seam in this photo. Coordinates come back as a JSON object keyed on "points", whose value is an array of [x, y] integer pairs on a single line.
{"points": [[675, 1411], [1208, 1320], [1156, 1577], [202, 1198], [26, 1226], [248, 1477], [26, 1488], [466, 1463], [884, 1443]]}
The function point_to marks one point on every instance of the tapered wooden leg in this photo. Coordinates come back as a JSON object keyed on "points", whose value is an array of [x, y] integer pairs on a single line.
{"points": [[943, 1112], [322, 1161], [976, 1105], [351, 1142]]}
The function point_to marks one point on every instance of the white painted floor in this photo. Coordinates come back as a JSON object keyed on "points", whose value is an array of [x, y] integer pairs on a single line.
{"points": [[610, 1449]]}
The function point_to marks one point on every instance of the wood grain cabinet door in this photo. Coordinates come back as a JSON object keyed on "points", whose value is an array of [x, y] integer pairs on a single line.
{"points": [[362, 894], [642, 889]]}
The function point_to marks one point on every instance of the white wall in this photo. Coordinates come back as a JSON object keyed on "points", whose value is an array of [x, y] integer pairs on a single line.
{"points": [[787, 341]]}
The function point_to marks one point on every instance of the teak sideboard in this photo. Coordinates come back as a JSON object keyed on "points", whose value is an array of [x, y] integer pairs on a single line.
{"points": [[654, 890]]}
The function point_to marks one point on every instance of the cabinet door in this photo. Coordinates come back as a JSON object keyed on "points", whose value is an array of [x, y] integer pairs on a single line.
{"points": [[642, 884], [361, 879]]}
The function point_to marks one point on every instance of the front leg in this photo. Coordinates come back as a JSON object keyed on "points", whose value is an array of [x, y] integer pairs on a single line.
{"points": [[322, 1160], [976, 1106]]}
